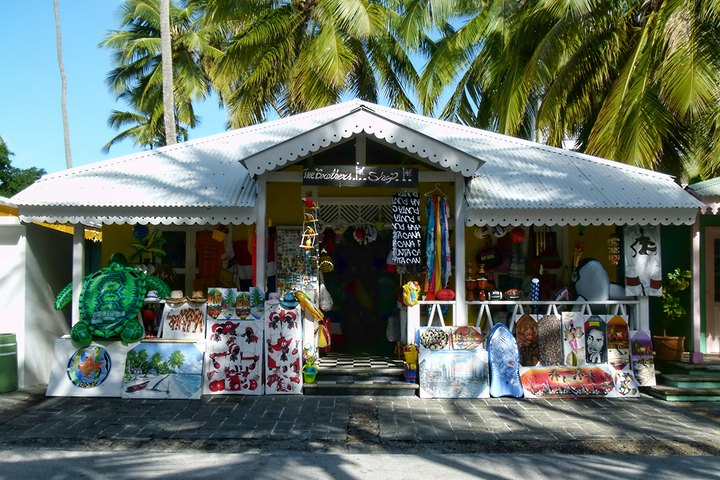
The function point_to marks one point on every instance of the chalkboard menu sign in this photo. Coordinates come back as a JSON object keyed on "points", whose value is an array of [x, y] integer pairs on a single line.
{"points": [[407, 244], [360, 176]]}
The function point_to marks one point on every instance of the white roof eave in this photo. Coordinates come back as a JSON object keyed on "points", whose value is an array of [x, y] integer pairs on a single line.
{"points": [[581, 216], [363, 120]]}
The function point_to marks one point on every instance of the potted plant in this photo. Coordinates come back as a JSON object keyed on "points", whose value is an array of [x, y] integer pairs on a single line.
{"points": [[670, 348]]}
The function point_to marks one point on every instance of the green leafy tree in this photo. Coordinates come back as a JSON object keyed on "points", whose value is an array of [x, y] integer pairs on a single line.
{"points": [[138, 80], [13, 179], [156, 361], [634, 81], [293, 56], [175, 360]]}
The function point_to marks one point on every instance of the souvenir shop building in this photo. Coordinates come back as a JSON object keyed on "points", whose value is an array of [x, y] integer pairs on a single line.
{"points": [[501, 209]]}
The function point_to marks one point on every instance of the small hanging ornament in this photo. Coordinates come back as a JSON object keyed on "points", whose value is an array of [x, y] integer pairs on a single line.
{"points": [[613, 243], [140, 231]]}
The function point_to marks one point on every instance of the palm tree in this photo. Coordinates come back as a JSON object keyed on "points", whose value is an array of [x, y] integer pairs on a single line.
{"points": [[138, 76], [167, 73], [63, 82], [291, 56], [632, 81], [145, 122]]}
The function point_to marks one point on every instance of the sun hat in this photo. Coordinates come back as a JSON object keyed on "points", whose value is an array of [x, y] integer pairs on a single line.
{"points": [[198, 297], [289, 301], [176, 296], [152, 296]]}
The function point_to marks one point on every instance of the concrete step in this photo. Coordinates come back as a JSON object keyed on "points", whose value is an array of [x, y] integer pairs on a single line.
{"points": [[686, 368], [690, 381], [392, 388], [675, 394], [360, 374]]}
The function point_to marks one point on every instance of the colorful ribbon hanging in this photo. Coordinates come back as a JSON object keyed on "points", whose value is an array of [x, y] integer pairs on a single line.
{"points": [[437, 247]]}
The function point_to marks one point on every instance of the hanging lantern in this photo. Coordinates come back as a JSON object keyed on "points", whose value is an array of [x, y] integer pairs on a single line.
{"points": [[613, 249]]}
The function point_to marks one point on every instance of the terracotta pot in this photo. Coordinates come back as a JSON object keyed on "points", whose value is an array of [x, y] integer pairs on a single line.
{"points": [[669, 349]]}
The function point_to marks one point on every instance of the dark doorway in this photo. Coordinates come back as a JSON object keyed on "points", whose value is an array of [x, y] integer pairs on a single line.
{"points": [[364, 293]]}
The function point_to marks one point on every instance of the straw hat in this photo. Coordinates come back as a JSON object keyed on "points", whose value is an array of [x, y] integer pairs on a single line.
{"points": [[198, 297], [176, 296]]}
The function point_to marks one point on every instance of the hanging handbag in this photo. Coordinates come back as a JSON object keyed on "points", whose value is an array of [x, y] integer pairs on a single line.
{"points": [[323, 336], [325, 299]]}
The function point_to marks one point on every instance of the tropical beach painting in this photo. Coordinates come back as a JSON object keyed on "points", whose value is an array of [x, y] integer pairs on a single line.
{"points": [[163, 370]]}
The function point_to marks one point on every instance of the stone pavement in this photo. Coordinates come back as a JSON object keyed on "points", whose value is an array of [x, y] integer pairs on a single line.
{"points": [[231, 423]]}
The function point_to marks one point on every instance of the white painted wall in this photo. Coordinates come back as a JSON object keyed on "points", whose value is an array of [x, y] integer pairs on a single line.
{"points": [[48, 267], [34, 266]]}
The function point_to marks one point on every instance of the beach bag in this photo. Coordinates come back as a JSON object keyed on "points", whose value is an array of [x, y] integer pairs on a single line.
{"points": [[323, 336], [326, 300], [411, 293], [392, 331]]}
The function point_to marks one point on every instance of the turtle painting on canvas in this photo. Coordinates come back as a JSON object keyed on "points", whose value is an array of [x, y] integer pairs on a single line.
{"points": [[110, 302]]}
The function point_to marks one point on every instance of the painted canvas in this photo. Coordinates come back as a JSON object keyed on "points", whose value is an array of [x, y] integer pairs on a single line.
{"points": [[573, 338], [526, 335], [228, 307], [618, 340], [283, 353], [242, 305], [257, 303], [626, 386], [454, 373], [641, 356], [92, 371], [183, 321], [466, 338], [595, 340], [214, 306], [163, 369], [560, 381], [550, 343], [234, 357]]}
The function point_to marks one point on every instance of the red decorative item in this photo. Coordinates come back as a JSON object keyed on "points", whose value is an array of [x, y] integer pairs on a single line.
{"points": [[445, 294], [148, 318], [517, 235]]}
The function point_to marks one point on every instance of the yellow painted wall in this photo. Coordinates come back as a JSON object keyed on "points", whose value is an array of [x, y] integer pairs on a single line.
{"points": [[594, 240], [116, 238]]}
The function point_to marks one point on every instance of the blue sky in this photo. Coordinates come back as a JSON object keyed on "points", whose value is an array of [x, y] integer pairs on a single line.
{"points": [[30, 114]]}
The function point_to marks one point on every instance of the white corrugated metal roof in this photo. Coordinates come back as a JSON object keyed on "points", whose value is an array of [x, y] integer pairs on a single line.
{"points": [[209, 180], [192, 182], [708, 191]]}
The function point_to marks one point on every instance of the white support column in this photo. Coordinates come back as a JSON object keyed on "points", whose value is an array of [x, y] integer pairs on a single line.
{"points": [[696, 355], [261, 232], [413, 322], [78, 269], [643, 312], [460, 311]]}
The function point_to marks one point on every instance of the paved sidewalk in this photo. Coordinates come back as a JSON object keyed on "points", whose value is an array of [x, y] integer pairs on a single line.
{"points": [[231, 423]]}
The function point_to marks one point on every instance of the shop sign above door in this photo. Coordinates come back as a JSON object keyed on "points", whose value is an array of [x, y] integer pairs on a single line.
{"points": [[360, 176]]}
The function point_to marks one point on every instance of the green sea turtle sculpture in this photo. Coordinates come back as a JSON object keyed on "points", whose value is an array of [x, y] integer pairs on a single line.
{"points": [[110, 302]]}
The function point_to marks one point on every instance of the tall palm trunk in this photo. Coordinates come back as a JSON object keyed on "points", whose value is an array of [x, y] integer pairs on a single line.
{"points": [[63, 97], [167, 73]]}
